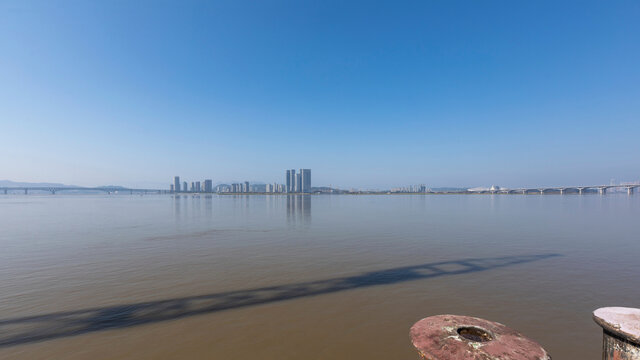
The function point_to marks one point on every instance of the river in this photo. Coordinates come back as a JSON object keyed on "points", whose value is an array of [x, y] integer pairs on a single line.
{"points": [[305, 277]]}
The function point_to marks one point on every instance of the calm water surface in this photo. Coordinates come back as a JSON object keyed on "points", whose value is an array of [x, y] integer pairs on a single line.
{"points": [[305, 277]]}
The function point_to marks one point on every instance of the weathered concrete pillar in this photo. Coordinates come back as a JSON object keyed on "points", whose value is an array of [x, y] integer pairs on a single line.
{"points": [[621, 328], [452, 337]]}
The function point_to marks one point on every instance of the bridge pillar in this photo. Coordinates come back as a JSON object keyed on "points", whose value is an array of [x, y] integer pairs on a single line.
{"points": [[53, 192], [580, 190], [541, 191], [629, 191], [524, 191], [5, 191], [561, 191], [26, 191], [602, 190]]}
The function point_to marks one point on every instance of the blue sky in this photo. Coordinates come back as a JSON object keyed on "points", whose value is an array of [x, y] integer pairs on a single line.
{"points": [[367, 94]]}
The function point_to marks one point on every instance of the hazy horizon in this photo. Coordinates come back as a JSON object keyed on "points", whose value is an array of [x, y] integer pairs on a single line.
{"points": [[367, 95]]}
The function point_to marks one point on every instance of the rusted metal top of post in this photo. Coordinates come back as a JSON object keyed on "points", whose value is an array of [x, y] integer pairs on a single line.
{"points": [[446, 337], [620, 321]]}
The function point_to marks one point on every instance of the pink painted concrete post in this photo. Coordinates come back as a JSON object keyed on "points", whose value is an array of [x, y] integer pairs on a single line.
{"points": [[449, 337]]}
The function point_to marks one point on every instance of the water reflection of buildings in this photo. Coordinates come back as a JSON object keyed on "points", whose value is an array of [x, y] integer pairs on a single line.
{"points": [[299, 209], [190, 206], [263, 209]]}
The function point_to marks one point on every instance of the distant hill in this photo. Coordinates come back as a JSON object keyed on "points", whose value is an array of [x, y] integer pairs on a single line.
{"points": [[9, 183]]}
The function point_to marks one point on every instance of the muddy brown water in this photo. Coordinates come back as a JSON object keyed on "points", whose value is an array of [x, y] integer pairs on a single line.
{"points": [[305, 277]]}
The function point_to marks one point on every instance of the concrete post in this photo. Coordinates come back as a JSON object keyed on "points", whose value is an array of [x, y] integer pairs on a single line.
{"points": [[621, 329], [602, 190], [580, 190], [452, 337], [629, 191]]}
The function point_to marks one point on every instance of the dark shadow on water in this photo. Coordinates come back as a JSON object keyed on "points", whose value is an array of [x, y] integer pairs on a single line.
{"points": [[30, 329]]}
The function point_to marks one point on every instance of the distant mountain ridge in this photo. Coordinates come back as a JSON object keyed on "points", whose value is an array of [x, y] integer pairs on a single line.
{"points": [[9, 183]]}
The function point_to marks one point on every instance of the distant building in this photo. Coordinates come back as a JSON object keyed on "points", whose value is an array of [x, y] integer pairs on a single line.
{"points": [[290, 181], [298, 182], [223, 188], [176, 183], [208, 185], [198, 186], [305, 180], [246, 188], [185, 186], [172, 188], [236, 188], [287, 180]]}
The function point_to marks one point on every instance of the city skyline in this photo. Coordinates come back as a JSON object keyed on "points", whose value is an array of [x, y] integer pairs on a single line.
{"points": [[448, 94], [293, 183]]}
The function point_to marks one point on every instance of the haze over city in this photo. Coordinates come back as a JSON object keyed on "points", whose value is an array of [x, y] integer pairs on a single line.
{"points": [[368, 95]]}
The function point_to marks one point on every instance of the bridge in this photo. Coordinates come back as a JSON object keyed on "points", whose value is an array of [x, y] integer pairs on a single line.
{"points": [[55, 189], [601, 189]]}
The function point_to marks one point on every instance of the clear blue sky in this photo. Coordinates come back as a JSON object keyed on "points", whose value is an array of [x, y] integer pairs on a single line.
{"points": [[366, 93]]}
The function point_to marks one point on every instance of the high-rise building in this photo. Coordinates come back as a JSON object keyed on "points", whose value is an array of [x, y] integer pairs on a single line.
{"points": [[172, 188], [176, 183], [198, 186], [246, 187], [291, 181], [208, 185], [287, 180], [185, 186], [298, 187], [305, 180]]}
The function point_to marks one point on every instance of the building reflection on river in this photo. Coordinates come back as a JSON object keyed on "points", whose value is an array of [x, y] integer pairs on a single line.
{"points": [[297, 208]]}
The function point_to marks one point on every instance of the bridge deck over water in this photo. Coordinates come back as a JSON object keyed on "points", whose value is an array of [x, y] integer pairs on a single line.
{"points": [[55, 189]]}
